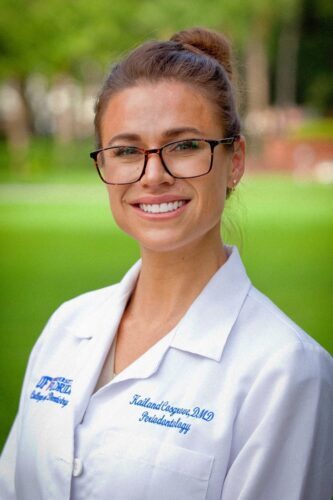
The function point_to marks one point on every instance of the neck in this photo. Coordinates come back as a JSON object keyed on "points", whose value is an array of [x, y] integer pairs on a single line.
{"points": [[170, 281]]}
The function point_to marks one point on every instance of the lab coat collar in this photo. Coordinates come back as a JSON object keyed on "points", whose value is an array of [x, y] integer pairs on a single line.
{"points": [[96, 321], [205, 327]]}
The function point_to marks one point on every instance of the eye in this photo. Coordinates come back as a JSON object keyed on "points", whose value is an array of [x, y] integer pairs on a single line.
{"points": [[188, 145], [125, 151]]}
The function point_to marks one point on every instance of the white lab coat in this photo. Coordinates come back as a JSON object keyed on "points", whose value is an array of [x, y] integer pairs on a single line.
{"points": [[235, 403]]}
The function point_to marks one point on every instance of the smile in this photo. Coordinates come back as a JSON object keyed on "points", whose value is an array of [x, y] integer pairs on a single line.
{"points": [[160, 208]]}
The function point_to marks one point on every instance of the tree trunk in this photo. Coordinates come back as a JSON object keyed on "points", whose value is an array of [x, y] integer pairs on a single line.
{"points": [[286, 66], [16, 122], [257, 76], [64, 96]]}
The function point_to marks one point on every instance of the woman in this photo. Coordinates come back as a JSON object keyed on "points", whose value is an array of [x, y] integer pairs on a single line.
{"points": [[182, 381]]}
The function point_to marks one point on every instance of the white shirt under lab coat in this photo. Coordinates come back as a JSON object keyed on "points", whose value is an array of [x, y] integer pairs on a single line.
{"points": [[235, 403]]}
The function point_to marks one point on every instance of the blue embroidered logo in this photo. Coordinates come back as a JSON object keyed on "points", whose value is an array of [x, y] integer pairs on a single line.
{"points": [[54, 389], [168, 410]]}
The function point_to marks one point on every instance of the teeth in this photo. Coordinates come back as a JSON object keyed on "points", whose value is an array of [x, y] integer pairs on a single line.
{"points": [[161, 207]]}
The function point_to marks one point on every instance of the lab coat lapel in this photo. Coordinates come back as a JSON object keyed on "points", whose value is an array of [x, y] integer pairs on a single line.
{"points": [[147, 364], [94, 354], [94, 334]]}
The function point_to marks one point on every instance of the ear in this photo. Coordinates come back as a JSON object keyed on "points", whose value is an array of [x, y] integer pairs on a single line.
{"points": [[237, 163]]}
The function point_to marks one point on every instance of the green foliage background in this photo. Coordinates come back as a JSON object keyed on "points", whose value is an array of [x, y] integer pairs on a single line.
{"points": [[81, 38]]}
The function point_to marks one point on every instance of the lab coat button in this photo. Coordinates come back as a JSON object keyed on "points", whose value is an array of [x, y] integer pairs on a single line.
{"points": [[77, 467]]}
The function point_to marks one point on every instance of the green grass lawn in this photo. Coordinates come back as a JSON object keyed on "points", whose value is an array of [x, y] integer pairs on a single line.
{"points": [[59, 240]]}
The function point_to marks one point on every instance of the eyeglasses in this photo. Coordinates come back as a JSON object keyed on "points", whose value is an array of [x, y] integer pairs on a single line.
{"points": [[183, 159]]}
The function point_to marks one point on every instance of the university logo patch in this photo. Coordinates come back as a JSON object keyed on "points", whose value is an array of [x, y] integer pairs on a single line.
{"points": [[53, 389]]}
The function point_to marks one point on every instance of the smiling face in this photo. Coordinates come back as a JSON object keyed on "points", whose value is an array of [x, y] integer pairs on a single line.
{"points": [[160, 212]]}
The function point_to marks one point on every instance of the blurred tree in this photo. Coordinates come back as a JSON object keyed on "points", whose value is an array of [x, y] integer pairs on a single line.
{"points": [[315, 82], [77, 39], [55, 38], [289, 34], [255, 23]]}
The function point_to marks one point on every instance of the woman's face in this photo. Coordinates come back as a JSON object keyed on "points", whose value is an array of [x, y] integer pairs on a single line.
{"points": [[149, 116]]}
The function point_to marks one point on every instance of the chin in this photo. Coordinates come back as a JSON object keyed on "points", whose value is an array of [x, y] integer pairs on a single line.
{"points": [[172, 244], [171, 239], [161, 245]]}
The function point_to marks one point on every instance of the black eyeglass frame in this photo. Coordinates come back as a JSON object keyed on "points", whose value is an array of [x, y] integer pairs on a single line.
{"points": [[213, 143]]}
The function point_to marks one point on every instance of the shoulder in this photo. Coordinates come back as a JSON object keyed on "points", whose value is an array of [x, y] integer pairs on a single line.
{"points": [[74, 314], [278, 368], [264, 321], [266, 340], [84, 303], [96, 303]]}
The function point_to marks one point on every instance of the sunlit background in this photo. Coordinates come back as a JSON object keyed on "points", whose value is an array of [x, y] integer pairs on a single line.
{"points": [[58, 238]]}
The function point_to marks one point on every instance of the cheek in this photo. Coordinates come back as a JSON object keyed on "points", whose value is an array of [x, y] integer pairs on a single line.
{"points": [[215, 205], [115, 202], [214, 198]]}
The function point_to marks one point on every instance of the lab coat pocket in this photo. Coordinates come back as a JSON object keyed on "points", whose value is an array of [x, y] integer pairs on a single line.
{"points": [[142, 468]]}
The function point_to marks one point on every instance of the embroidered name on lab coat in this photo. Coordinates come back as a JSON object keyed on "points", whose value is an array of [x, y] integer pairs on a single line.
{"points": [[53, 389], [166, 411]]}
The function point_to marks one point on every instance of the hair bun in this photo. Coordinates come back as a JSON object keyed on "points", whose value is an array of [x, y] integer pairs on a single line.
{"points": [[209, 42]]}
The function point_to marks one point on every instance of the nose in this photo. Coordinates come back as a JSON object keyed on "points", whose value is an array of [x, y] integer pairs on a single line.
{"points": [[155, 173]]}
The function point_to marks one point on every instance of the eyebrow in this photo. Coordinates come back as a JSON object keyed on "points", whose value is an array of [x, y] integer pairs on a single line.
{"points": [[123, 137], [171, 133]]}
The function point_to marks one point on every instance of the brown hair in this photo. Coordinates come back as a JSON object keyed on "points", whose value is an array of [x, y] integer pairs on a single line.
{"points": [[197, 56]]}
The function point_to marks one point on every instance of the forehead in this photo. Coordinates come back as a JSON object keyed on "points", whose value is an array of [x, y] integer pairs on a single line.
{"points": [[150, 109]]}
